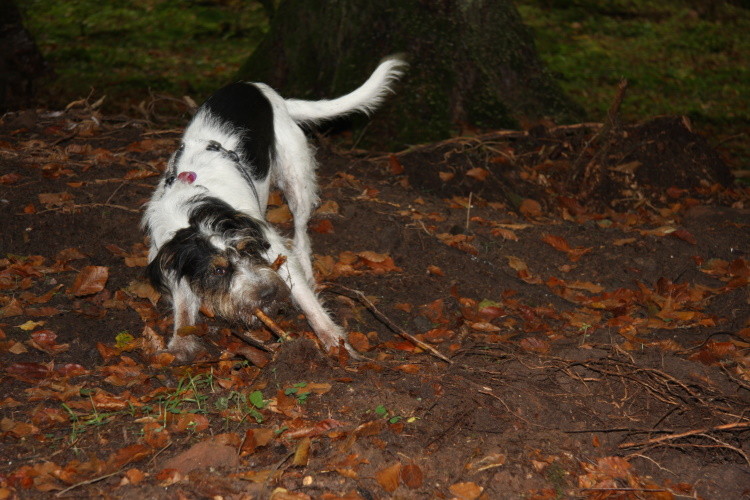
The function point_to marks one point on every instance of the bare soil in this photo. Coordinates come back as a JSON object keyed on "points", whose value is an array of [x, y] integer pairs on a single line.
{"points": [[589, 290]]}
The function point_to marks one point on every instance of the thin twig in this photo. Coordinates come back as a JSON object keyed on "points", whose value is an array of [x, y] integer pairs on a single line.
{"points": [[85, 205], [271, 324], [693, 432], [90, 481], [356, 294]]}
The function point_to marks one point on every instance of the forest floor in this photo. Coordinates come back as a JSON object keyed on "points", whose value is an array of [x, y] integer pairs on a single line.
{"points": [[586, 308]]}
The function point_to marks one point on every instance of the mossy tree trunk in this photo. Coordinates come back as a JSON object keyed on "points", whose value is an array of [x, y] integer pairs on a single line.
{"points": [[473, 62]]}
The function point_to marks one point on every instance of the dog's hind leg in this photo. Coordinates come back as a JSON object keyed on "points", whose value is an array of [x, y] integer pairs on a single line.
{"points": [[295, 175]]}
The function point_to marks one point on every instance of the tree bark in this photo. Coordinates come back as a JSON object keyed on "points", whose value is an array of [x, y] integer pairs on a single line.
{"points": [[20, 60], [473, 63]]}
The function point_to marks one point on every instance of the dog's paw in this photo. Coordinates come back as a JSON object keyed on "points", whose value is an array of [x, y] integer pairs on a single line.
{"points": [[184, 348], [334, 338]]}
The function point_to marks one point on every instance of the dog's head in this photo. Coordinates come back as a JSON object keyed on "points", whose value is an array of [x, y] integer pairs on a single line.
{"points": [[221, 256]]}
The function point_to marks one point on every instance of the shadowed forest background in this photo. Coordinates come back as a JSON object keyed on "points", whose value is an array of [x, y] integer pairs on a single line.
{"points": [[687, 58]]}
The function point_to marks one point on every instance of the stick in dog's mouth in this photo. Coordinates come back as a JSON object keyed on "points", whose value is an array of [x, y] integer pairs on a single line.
{"points": [[271, 324]]}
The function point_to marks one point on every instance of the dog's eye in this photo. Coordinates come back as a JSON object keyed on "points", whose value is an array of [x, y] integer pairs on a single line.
{"points": [[220, 271]]}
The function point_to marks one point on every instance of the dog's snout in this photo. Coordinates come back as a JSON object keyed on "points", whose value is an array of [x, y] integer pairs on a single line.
{"points": [[272, 289], [269, 292]]}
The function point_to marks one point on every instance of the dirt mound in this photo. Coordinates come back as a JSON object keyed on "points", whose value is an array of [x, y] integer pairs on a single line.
{"points": [[598, 165]]}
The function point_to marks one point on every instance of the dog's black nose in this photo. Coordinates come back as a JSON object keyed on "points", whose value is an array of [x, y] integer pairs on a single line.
{"points": [[271, 292]]}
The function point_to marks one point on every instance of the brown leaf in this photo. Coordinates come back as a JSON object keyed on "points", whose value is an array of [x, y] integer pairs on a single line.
{"points": [[435, 271], [411, 476], [128, 455], [395, 166], [530, 208], [90, 280], [534, 344], [328, 207], [359, 341], [684, 235], [10, 178], [388, 478], [55, 199], [408, 368], [279, 215], [556, 242], [302, 453], [504, 233], [478, 173], [323, 226], [318, 429], [204, 455], [192, 421]]}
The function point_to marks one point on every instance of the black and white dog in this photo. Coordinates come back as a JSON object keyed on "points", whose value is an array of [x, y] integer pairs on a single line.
{"points": [[210, 243]]}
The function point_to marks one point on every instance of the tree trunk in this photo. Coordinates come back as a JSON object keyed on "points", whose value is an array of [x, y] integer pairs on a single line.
{"points": [[473, 63], [20, 60]]}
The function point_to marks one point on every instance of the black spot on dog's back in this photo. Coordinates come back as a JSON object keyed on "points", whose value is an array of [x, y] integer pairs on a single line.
{"points": [[249, 112]]}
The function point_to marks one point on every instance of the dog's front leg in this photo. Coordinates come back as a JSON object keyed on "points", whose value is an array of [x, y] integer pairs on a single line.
{"points": [[292, 272], [186, 306]]}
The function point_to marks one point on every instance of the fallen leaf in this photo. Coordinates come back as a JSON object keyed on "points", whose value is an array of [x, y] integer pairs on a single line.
{"points": [[328, 207], [530, 208], [395, 166], [435, 271], [55, 199], [388, 478], [323, 226], [302, 452], [90, 280], [279, 215], [412, 477], [684, 235], [478, 173], [466, 491], [204, 455]]}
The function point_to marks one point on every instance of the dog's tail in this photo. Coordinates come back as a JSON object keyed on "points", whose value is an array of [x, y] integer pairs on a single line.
{"points": [[365, 99]]}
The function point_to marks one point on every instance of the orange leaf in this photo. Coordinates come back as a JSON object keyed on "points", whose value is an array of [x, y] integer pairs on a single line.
{"points": [[530, 208], [388, 478], [395, 166], [359, 341], [323, 226], [478, 173], [466, 491], [556, 242], [90, 280], [534, 344], [435, 271]]}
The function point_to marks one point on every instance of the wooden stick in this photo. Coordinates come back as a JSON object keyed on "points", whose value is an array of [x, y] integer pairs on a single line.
{"points": [[271, 324], [723, 427], [342, 290]]}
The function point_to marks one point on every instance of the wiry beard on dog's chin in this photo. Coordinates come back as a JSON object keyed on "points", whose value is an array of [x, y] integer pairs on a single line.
{"points": [[240, 308]]}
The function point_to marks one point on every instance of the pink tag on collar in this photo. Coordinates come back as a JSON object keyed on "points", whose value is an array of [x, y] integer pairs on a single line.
{"points": [[188, 177]]}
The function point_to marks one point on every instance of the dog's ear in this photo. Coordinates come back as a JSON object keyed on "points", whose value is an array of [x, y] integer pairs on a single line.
{"points": [[187, 254], [250, 244]]}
